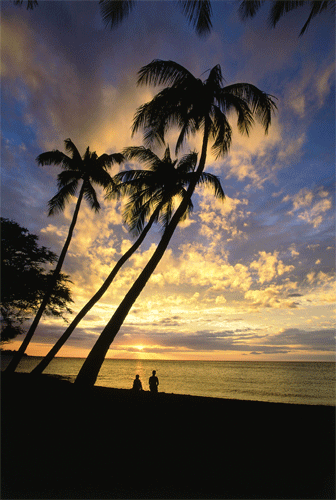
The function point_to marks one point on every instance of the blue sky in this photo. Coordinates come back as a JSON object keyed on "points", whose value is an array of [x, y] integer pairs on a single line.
{"points": [[250, 278]]}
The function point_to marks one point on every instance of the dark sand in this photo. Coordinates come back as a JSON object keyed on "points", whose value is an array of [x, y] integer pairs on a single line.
{"points": [[60, 442]]}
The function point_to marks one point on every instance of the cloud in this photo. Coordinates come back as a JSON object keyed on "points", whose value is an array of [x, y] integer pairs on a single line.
{"points": [[272, 296], [322, 340], [217, 216], [310, 89], [268, 266], [311, 205], [200, 266]]}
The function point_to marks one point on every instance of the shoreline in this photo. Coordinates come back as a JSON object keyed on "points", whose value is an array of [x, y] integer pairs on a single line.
{"points": [[60, 441], [297, 398]]}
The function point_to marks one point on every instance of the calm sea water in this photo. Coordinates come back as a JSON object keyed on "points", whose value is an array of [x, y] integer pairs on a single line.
{"points": [[290, 382]]}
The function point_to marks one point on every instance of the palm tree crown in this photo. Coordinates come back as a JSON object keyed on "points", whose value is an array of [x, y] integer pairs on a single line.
{"points": [[158, 188], [90, 168], [192, 104]]}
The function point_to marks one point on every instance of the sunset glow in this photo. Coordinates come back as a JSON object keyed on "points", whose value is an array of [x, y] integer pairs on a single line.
{"points": [[250, 278]]}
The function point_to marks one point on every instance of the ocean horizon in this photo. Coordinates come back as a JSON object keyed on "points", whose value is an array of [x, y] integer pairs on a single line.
{"points": [[307, 382]]}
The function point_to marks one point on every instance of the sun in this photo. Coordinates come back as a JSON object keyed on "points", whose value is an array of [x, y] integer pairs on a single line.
{"points": [[139, 347]]}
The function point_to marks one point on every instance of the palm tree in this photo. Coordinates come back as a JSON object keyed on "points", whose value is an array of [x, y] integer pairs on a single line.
{"points": [[152, 193], [90, 169], [193, 105], [198, 12], [249, 8]]}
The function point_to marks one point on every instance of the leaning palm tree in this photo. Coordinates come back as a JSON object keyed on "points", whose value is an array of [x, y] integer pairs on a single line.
{"points": [[193, 105], [89, 170], [249, 8], [198, 12], [152, 195]]}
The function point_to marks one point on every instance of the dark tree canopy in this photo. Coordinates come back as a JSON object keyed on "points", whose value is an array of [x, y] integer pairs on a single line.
{"points": [[24, 278]]}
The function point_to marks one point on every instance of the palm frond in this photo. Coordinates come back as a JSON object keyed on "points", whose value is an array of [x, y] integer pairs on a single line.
{"points": [[166, 213], [91, 196], [57, 202], [71, 148], [221, 132], [147, 117], [229, 100], [187, 163], [257, 102], [66, 177], [159, 72], [317, 8], [213, 182], [102, 178], [168, 108], [54, 157], [199, 14], [190, 207], [249, 8], [142, 154], [189, 126], [116, 158], [115, 11], [215, 78], [166, 156], [137, 211], [127, 177]]}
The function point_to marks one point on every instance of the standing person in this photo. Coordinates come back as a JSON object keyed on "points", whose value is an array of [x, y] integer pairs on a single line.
{"points": [[137, 385], [153, 382]]}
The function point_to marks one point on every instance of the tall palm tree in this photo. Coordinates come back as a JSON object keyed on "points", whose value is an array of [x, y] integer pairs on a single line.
{"points": [[89, 170], [193, 105], [152, 193], [249, 8], [198, 12]]}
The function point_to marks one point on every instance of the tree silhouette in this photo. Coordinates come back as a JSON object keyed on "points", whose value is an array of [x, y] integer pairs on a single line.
{"points": [[151, 197], [24, 278], [89, 169], [279, 8], [193, 105]]}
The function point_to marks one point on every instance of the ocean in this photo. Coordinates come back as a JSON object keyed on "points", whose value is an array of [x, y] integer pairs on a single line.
{"points": [[311, 383]]}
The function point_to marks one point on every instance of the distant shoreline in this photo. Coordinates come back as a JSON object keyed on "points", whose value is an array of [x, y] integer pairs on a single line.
{"points": [[8, 352]]}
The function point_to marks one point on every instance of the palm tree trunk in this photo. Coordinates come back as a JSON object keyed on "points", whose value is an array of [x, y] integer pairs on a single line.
{"points": [[97, 296], [18, 356], [88, 374]]}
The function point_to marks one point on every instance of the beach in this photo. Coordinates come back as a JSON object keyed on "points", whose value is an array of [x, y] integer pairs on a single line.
{"points": [[59, 441]]}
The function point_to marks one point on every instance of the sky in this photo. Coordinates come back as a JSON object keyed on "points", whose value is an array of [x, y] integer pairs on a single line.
{"points": [[247, 279]]}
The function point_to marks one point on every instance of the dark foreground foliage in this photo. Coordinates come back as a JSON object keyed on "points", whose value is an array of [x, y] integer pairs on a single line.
{"points": [[24, 279]]}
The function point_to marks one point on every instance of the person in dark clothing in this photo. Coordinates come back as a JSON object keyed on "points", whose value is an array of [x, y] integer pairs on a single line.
{"points": [[137, 385], [153, 382]]}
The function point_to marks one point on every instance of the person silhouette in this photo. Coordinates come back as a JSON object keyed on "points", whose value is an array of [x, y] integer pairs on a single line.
{"points": [[153, 382], [137, 385]]}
